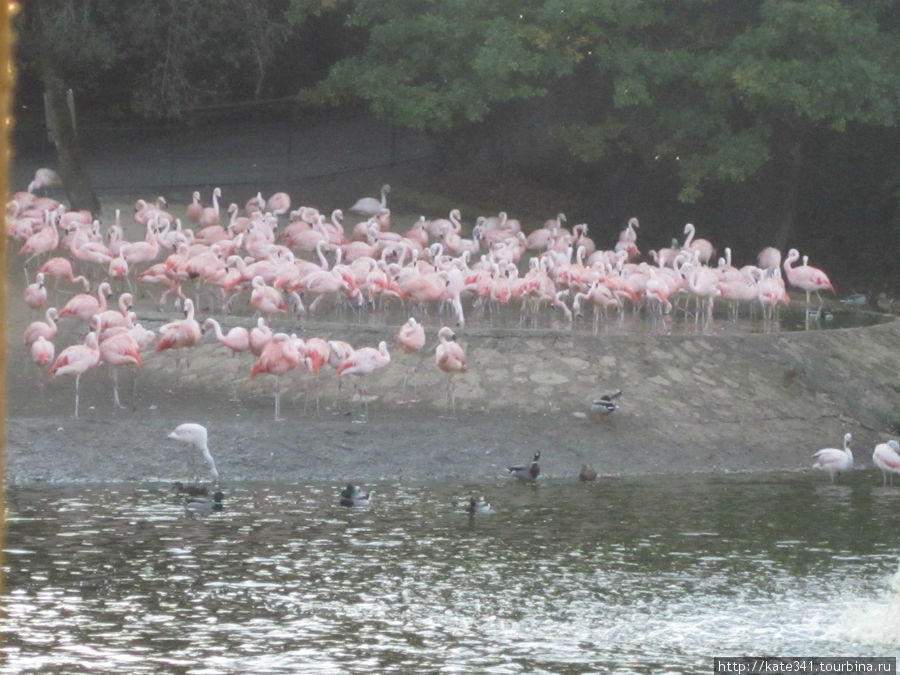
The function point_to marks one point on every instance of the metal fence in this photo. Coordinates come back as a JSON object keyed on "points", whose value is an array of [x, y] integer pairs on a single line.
{"points": [[237, 147]]}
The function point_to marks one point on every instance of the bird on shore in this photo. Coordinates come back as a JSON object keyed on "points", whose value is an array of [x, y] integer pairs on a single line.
{"points": [[527, 473], [204, 505], [587, 473], [369, 206], [197, 436], [479, 507], [607, 403], [77, 360], [361, 362], [886, 457], [451, 358], [833, 460], [411, 339], [352, 495]]}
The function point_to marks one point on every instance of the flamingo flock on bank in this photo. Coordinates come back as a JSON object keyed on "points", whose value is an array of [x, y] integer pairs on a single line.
{"points": [[251, 256], [282, 263]]}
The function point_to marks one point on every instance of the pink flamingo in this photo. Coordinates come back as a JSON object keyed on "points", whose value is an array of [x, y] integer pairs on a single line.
{"points": [[61, 268], [361, 362], [194, 209], [702, 246], [36, 293], [237, 339], [260, 336], [77, 360], [83, 306], [886, 457], [278, 357], [43, 177], [210, 215], [411, 339], [769, 258], [833, 460], [119, 350], [42, 351], [806, 277], [114, 318], [46, 329], [279, 203], [451, 358], [182, 333], [266, 299], [43, 241]]}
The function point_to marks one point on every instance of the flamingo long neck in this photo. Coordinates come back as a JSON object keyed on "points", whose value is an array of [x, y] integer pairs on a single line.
{"points": [[689, 232]]}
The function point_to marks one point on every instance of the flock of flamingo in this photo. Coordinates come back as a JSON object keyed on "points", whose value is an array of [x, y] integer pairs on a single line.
{"points": [[287, 262], [284, 263]]}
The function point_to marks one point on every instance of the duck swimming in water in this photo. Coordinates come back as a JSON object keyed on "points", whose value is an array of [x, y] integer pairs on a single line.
{"points": [[204, 505], [479, 507], [352, 495]]}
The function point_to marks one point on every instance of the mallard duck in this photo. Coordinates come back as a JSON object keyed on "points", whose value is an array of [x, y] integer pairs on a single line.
{"points": [[191, 489], [204, 505], [527, 472], [352, 495], [479, 507], [607, 403], [587, 473]]}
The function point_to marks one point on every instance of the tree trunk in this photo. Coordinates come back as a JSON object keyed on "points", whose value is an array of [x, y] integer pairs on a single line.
{"points": [[72, 170], [789, 177]]}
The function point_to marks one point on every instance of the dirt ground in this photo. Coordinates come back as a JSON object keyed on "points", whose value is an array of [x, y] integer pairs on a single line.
{"points": [[691, 403]]}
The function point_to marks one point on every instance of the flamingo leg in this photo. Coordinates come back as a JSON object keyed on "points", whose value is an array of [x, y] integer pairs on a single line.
{"points": [[116, 401], [77, 379], [278, 417]]}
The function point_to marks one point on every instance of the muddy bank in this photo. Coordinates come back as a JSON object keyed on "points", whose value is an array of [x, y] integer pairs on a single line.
{"points": [[709, 403]]}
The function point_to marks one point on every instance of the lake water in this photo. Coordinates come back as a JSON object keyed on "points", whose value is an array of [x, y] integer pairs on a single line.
{"points": [[622, 575]]}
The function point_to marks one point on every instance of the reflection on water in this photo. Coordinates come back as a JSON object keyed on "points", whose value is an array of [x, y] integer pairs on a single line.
{"points": [[653, 574]]}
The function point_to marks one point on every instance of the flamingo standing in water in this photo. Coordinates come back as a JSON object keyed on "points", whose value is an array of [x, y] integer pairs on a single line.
{"points": [[451, 358], [886, 457], [834, 460], [411, 339], [361, 362], [77, 360], [197, 436], [806, 277], [279, 356]]}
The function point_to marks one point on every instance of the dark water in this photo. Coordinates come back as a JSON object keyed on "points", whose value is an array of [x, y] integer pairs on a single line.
{"points": [[622, 575]]}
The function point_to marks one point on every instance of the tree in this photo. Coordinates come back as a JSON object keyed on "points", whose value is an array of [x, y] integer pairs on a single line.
{"points": [[714, 92]]}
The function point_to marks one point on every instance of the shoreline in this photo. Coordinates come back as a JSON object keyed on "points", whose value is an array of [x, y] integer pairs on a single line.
{"points": [[691, 404]]}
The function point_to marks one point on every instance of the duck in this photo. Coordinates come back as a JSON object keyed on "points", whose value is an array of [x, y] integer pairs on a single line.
{"points": [[607, 403], [191, 489], [479, 507], [527, 473], [204, 505], [587, 473], [352, 495]]}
